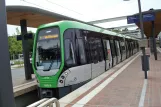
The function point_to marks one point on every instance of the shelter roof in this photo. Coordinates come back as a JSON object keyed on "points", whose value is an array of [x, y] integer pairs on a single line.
{"points": [[34, 16], [148, 25]]}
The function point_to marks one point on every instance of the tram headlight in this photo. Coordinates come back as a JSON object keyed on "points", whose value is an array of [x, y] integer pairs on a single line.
{"points": [[62, 77], [61, 81]]}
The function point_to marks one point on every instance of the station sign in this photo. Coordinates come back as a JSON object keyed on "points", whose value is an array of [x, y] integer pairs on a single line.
{"points": [[146, 17]]}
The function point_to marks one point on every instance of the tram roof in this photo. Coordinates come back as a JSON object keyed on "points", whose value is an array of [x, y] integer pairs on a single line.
{"points": [[73, 24]]}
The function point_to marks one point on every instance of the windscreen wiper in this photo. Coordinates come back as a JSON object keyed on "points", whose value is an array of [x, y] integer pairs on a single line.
{"points": [[50, 64]]}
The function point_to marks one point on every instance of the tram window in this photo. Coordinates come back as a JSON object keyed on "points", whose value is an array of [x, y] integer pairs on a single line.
{"points": [[69, 48], [134, 44], [112, 48], [93, 49], [117, 48], [129, 46], [122, 44], [96, 46], [86, 46], [137, 45], [81, 51], [105, 49], [69, 52], [80, 47], [100, 49], [126, 47]]}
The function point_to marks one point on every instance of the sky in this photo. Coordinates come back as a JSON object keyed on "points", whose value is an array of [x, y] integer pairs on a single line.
{"points": [[89, 10]]}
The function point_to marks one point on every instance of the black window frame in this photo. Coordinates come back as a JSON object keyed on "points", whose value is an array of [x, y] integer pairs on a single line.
{"points": [[35, 43], [75, 46], [112, 46], [106, 54]]}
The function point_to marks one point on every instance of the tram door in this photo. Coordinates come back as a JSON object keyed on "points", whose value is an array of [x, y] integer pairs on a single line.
{"points": [[123, 48], [113, 53], [98, 63], [127, 49], [108, 56], [109, 53], [118, 51], [132, 46]]}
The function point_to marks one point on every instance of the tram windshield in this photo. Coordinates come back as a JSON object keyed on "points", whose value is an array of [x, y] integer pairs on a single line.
{"points": [[48, 49]]}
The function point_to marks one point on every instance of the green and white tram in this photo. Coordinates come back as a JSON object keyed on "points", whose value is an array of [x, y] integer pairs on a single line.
{"points": [[67, 54]]}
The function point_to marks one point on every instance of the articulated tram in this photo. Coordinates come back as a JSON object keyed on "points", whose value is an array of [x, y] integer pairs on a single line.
{"points": [[68, 54]]}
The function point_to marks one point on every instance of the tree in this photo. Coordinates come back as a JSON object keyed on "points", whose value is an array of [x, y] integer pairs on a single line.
{"points": [[15, 47]]}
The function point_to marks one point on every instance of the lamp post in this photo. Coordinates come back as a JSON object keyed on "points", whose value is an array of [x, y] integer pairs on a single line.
{"points": [[141, 19], [142, 33]]}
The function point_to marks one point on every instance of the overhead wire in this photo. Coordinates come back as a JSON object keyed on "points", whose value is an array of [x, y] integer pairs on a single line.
{"points": [[51, 3], [62, 6]]}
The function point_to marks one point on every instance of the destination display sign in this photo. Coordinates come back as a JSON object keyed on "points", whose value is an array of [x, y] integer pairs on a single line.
{"points": [[48, 37]]}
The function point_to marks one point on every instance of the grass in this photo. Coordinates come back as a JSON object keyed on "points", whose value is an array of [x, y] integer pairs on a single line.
{"points": [[19, 63]]}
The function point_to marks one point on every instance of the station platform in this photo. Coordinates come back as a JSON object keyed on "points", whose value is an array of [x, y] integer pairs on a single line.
{"points": [[122, 86], [22, 86]]}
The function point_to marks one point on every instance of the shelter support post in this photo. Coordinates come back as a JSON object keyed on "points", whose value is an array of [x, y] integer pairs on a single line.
{"points": [[23, 24], [154, 41], [6, 87], [151, 44]]}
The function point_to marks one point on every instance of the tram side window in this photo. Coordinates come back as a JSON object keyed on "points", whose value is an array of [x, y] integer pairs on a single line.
{"points": [[134, 44], [86, 46], [105, 48], [100, 49], [131, 46], [70, 58], [137, 45], [69, 52], [127, 46], [112, 48], [80, 47], [122, 46], [117, 48], [93, 49]]}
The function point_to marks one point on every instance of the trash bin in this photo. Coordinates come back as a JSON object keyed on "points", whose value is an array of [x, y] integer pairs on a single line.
{"points": [[145, 62]]}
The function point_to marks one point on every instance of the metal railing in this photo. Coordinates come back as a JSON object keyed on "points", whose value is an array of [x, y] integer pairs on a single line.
{"points": [[46, 103]]}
